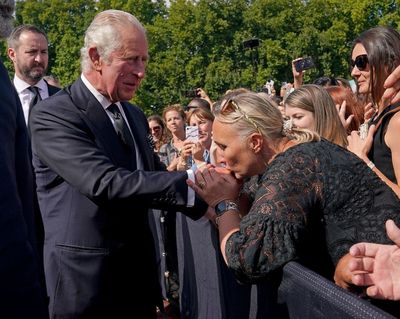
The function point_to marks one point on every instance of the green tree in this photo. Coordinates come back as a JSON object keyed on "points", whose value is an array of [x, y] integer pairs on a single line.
{"points": [[200, 43]]}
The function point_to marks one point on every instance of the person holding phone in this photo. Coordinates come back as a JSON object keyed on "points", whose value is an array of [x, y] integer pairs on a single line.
{"points": [[299, 65], [204, 279]]}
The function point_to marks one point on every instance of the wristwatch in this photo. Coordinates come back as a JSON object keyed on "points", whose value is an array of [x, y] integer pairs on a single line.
{"points": [[224, 206]]}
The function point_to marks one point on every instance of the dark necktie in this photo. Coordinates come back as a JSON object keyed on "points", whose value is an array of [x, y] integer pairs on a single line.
{"points": [[36, 96], [121, 127]]}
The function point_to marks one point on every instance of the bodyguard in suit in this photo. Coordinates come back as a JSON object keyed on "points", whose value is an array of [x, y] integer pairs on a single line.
{"points": [[29, 52], [97, 177], [21, 292]]}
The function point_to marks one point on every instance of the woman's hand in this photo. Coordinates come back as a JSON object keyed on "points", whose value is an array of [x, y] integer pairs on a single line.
{"points": [[186, 150], [343, 275], [174, 163], [197, 151], [360, 146], [341, 109], [297, 76], [202, 94], [369, 111], [215, 185]]}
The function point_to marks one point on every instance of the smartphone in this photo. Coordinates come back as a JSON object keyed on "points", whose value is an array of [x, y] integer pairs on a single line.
{"points": [[304, 64], [192, 133], [191, 93], [353, 86]]}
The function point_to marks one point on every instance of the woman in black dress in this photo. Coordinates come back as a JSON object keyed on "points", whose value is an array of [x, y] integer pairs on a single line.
{"points": [[309, 200], [375, 54]]}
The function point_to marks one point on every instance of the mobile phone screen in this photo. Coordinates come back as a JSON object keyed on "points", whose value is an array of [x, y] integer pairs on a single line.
{"points": [[192, 133], [304, 64]]}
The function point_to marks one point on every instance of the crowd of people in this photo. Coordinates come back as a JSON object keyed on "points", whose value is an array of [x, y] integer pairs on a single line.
{"points": [[97, 200]]}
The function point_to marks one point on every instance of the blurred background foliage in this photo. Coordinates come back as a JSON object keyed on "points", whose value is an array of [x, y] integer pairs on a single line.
{"points": [[200, 43]]}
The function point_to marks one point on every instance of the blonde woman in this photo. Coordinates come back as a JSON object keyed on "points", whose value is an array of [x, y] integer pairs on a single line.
{"points": [[311, 107], [309, 199]]}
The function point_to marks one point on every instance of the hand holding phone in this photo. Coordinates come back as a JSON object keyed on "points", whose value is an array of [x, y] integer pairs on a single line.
{"points": [[192, 133], [304, 64], [192, 93]]}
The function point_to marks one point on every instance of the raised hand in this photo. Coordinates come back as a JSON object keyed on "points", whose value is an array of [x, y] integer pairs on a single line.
{"points": [[360, 146], [341, 109]]}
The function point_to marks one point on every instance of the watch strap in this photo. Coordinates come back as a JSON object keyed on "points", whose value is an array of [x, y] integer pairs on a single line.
{"points": [[224, 206]]}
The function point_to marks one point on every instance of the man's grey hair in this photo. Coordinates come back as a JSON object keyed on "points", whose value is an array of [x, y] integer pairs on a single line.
{"points": [[13, 39], [6, 17], [104, 34]]}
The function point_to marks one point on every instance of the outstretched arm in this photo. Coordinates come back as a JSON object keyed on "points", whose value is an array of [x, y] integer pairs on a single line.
{"points": [[297, 76], [378, 266]]}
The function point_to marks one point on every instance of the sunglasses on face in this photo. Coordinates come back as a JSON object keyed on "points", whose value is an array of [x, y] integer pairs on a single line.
{"points": [[360, 62]]}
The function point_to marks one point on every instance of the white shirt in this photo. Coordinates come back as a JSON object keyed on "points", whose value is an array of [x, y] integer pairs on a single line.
{"points": [[105, 103], [26, 95]]}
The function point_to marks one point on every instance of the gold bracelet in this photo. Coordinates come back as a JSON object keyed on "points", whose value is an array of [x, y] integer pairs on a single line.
{"points": [[371, 165]]}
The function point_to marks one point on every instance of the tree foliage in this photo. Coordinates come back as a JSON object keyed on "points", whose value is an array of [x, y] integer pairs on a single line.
{"points": [[200, 43]]}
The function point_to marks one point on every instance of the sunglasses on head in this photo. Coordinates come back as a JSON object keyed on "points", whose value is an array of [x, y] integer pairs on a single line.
{"points": [[360, 62], [230, 105]]}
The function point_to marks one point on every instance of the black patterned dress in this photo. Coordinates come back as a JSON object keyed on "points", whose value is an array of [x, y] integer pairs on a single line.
{"points": [[311, 204]]}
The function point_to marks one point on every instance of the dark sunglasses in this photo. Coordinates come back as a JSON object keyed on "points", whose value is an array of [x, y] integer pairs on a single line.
{"points": [[360, 62], [155, 128]]}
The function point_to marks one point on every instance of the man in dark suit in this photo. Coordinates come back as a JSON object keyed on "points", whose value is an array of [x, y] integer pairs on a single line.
{"points": [[28, 50], [96, 177], [21, 292]]}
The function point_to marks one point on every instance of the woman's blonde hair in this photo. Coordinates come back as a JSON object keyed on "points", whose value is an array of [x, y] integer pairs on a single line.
{"points": [[316, 99], [251, 112]]}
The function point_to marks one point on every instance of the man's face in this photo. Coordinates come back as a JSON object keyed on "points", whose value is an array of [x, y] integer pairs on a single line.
{"points": [[6, 18], [31, 57], [122, 74]]}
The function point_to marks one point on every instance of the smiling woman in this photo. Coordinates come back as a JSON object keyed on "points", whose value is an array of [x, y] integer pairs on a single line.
{"points": [[375, 54]]}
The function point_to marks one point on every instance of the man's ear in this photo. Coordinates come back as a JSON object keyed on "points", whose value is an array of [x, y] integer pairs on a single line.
{"points": [[95, 58], [256, 142], [11, 54]]}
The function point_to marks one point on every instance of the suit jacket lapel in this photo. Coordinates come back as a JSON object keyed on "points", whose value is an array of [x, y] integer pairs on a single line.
{"points": [[98, 120], [51, 89]]}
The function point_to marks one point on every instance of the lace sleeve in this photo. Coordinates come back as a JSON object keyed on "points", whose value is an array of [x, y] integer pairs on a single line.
{"points": [[270, 234]]}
